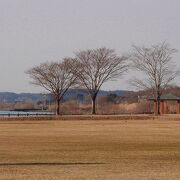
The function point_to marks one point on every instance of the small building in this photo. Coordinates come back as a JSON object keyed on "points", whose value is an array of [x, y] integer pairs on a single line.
{"points": [[164, 99]]}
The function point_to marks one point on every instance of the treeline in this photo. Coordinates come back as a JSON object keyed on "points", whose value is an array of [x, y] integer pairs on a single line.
{"points": [[108, 102], [91, 68]]}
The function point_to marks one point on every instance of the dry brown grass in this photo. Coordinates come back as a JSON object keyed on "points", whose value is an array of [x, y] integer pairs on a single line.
{"points": [[126, 149]]}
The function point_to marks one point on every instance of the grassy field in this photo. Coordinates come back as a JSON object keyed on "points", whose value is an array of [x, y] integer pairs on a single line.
{"points": [[123, 149]]}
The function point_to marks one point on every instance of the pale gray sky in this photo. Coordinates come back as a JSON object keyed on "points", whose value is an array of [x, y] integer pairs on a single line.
{"points": [[34, 31]]}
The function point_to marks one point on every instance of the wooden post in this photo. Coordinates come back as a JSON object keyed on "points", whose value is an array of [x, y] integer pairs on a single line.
{"points": [[178, 107], [155, 107], [162, 107], [165, 108]]}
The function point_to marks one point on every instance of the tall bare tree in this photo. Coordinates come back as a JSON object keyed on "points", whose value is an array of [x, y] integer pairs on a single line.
{"points": [[55, 77], [158, 69], [96, 66]]}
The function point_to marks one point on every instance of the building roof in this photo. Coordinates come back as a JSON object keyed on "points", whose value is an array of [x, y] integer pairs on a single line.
{"points": [[168, 97]]}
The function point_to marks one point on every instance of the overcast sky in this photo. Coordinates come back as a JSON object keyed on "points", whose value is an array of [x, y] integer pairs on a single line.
{"points": [[35, 31]]}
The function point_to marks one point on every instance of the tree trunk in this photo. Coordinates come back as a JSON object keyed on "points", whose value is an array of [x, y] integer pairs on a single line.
{"points": [[94, 104], [58, 107], [158, 103]]}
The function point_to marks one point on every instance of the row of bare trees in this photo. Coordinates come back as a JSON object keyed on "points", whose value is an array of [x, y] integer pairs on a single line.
{"points": [[93, 67]]}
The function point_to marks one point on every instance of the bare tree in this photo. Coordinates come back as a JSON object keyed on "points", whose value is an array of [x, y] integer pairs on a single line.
{"points": [[97, 66], [55, 77], [158, 69]]}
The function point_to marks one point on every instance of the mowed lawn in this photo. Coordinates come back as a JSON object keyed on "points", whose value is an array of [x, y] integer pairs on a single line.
{"points": [[127, 150]]}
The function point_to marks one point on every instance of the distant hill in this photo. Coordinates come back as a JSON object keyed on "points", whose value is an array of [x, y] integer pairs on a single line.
{"points": [[10, 97]]}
